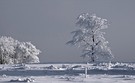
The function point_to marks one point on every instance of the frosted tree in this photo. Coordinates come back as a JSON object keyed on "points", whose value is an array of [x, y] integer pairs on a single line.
{"points": [[7, 49], [90, 37], [27, 53], [12, 51]]}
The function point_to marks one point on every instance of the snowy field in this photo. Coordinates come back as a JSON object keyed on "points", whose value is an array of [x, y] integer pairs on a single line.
{"points": [[68, 73]]}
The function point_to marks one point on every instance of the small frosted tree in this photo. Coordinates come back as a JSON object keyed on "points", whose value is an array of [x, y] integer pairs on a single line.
{"points": [[7, 49], [90, 37], [27, 53], [12, 51]]}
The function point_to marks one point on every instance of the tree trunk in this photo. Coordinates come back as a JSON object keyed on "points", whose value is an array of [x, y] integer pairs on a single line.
{"points": [[92, 58], [93, 39]]}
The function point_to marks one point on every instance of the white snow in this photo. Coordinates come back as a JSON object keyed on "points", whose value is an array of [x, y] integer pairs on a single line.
{"points": [[68, 73], [72, 79]]}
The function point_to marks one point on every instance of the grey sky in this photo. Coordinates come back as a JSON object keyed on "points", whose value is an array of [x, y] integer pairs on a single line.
{"points": [[48, 23]]}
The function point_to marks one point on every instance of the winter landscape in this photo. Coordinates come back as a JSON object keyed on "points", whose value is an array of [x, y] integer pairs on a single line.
{"points": [[67, 41], [18, 59]]}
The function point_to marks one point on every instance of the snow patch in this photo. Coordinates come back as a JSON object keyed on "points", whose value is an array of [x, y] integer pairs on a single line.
{"points": [[23, 80]]}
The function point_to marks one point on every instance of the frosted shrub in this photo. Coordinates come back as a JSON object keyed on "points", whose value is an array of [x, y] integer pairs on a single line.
{"points": [[12, 51]]}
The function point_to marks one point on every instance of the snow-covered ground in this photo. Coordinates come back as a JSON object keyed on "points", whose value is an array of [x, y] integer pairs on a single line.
{"points": [[68, 73], [71, 79]]}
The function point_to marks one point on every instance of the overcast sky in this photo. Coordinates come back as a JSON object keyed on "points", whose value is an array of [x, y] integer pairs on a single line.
{"points": [[48, 23]]}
